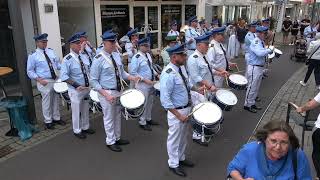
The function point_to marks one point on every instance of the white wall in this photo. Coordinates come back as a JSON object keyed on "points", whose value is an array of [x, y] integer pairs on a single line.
{"points": [[49, 23]]}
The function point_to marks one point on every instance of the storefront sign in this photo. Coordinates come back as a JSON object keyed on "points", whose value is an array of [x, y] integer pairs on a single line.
{"points": [[171, 10], [113, 12]]}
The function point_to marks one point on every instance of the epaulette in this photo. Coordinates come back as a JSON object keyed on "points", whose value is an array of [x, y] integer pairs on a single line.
{"points": [[169, 70], [100, 46], [138, 55], [211, 45], [195, 56], [97, 56], [68, 57]]}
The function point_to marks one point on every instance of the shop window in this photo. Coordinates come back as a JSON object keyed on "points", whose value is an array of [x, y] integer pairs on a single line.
{"points": [[168, 14], [139, 18], [190, 10]]}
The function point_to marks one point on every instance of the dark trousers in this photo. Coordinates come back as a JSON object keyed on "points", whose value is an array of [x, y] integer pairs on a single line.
{"points": [[316, 150], [313, 65]]}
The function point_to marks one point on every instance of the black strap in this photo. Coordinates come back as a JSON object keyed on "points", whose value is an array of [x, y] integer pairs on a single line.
{"points": [[149, 64], [117, 73], [85, 51], [53, 74], [185, 84], [225, 57], [295, 163], [84, 72], [205, 59], [314, 52]]}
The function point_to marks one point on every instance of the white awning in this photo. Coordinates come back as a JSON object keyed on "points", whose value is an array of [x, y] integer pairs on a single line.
{"points": [[228, 2]]}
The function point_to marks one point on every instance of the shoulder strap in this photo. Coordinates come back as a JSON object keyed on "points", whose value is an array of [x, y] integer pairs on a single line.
{"points": [[314, 52], [295, 163]]}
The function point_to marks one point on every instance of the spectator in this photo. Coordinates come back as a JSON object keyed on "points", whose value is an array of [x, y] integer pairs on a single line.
{"points": [[304, 23], [273, 156], [313, 61], [286, 27], [241, 34], [294, 32]]}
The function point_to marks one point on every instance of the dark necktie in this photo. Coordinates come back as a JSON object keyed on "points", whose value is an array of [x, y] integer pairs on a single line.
{"points": [[53, 74], [117, 73], [205, 59], [85, 51], [185, 82], [84, 72], [149, 64], [225, 57]]}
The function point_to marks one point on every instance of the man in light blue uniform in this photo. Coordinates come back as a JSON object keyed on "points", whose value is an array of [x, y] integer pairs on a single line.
{"points": [[256, 60], [86, 47], [310, 32], [248, 39], [174, 29], [42, 67], [176, 99], [75, 72], [203, 27], [141, 65], [190, 34], [201, 74], [132, 46], [107, 74]]}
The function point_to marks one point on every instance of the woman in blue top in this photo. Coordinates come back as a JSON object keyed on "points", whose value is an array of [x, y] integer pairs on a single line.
{"points": [[273, 156]]}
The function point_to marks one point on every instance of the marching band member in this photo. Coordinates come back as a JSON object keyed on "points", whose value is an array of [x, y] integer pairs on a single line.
{"points": [[174, 29], [201, 73], [106, 75], [190, 34], [248, 39], [141, 65], [131, 46], [118, 48], [42, 66], [172, 41], [218, 57], [176, 99], [256, 60], [203, 27], [74, 71], [310, 32], [214, 24], [86, 47]]}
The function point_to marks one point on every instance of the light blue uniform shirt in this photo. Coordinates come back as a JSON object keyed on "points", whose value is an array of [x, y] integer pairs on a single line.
{"points": [[71, 68], [131, 50], [173, 92], [102, 72], [248, 39], [308, 30], [198, 69], [248, 162], [191, 33], [37, 65], [257, 52], [99, 49], [139, 65]]}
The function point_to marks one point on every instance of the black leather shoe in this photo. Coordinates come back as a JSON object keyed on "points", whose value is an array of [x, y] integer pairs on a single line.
{"points": [[186, 163], [258, 99], [60, 122], [114, 148], [146, 127], [80, 135], [178, 171], [122, 142], [89, 131], [200, 142], [49, 126], [256, 107], [153, 123], [250, 109]]}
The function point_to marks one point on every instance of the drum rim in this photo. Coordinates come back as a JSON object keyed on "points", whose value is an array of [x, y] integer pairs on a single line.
{"points": [[223, 102], [144, 100], [94, 91], [237, 83], [57, 84], [154, 86], [208, 124]]}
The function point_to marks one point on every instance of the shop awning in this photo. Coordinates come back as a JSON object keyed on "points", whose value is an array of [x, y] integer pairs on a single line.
{"points": [[228, 2]]}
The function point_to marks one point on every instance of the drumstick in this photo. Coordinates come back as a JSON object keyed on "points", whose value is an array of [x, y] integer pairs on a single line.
{"points": [[227, 81], [126, 93], [190, 114], [237, 68], [296, 107]]}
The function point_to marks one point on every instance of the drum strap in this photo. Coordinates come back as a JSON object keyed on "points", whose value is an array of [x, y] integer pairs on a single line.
{"points": [[225, 57], [205, 59], [151, 69], [185, 84], [114, 64], [86, 52], [84, 72], [53, 74]]}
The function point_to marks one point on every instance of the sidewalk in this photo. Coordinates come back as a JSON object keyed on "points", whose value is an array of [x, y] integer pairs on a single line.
{"points": [[292, 91]]}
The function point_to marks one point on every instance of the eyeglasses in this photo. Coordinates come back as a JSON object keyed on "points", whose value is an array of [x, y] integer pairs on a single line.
{"points": [[274, 142]]}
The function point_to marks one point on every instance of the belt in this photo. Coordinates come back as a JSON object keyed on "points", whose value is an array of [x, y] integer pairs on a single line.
{"points": [[111, 89], [258, 65], [191, 49], [183, 107]]}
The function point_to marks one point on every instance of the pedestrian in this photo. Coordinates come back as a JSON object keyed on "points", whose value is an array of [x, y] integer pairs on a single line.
{"points": [[75, 72], [312, 104], [286, 28], [256, 61], [141, 65], [176, 99], [275, 154], [313, 61], [294, 32], [304, 23], [171, 41], [42, 66], [106, 74], [190, 34], [233, 43], [241, 34]]}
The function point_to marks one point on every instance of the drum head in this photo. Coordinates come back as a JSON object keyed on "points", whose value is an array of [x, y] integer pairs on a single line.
{"points": [[208, 113], [60, 87], [157, 86], [238, 79], [132, 98], [94, 95], [227, 97]]}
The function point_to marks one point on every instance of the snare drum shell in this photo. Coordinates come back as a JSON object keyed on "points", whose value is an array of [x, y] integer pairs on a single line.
{"points": [[236, 86], [207, 131], [222, 105]]}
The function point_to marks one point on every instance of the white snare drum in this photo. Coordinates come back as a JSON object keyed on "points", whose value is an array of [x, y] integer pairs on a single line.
{"points": [[277, 52], [207, 118], [94, 96], [157, 88], [133, 102], [60, 87], [225, 99], [237, 81], [95, 104]]}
